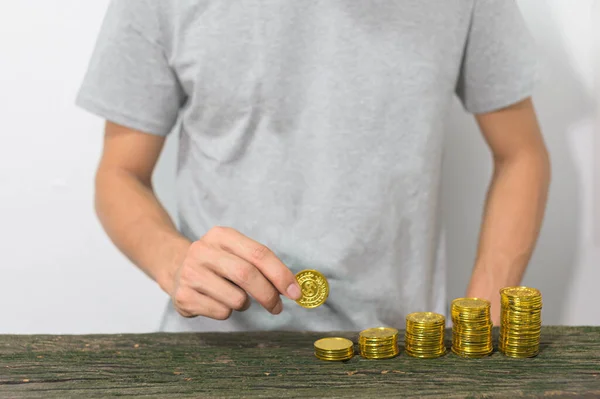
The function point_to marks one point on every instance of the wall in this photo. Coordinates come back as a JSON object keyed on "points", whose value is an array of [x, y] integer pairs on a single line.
{"points": [[60, 274]]}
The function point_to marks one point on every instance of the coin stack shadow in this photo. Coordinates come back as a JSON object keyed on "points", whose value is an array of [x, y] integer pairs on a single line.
{"points": [[378, 343], [521, 321], [424, 336], [472, 327]]}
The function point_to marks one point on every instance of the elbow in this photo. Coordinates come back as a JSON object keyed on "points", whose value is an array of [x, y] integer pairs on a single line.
{"points": [[534, 161], [539, 161], [543, 164], [100, 189], [112, 185], [547, 166], [107, 184]]}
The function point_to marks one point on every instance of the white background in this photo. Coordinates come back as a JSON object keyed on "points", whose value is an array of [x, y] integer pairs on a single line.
{"points": [[60, 274]]}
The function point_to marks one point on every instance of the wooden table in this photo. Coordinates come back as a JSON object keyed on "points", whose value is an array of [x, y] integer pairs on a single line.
{"points": [[282, 365]]}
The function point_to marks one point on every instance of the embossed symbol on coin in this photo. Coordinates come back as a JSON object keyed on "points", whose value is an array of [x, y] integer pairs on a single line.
{"points": [[314, 287], [309, 288]]}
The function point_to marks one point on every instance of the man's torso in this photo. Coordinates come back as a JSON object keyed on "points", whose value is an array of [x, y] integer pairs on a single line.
{"points": [[315, 127]]}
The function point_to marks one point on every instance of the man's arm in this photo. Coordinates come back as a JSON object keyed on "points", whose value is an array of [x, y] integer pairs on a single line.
{"points": [[515, 202], [210, 277], [128, 209]]}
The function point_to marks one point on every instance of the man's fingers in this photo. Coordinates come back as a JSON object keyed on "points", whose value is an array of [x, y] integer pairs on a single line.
{"points": [[190, 303], [208, 258], [206, 282], [258, 255], [250, 279], [246, 305]]}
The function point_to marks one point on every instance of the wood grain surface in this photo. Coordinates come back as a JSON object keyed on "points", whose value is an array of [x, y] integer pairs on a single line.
{"points": [[282, 365]]}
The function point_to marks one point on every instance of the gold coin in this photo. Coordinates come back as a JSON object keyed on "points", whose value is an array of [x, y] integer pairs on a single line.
{"points": [[471, 327], [425, 317], [378, 343], [334, 357], [470, 303], [424, 336], [426, 355], [333, 344], [520, 292], [379, 332], [520, 322], [334, 349], [376, 346], [392, 352], [314, 288]]}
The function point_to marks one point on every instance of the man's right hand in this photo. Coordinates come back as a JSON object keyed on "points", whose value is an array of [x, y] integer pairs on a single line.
{"points": [[210, 277], [224, 268]]}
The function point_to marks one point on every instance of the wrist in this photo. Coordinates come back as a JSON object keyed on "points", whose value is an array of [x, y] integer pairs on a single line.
{"points": [[166, 274]]}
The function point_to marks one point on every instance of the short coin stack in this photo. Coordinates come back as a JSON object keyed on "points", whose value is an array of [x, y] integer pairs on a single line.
{"points": [[472, 327], [378, 343], [521, 321], [424, 337], [334, 349]]}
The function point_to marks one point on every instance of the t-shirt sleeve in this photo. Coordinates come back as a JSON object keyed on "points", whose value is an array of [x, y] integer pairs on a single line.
{"points": [[499, 62], [129, 80]]}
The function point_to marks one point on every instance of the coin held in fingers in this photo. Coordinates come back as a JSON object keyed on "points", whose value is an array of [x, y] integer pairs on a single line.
{"points": [[314, 288]]}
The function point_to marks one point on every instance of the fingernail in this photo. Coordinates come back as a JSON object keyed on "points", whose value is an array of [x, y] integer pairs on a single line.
{"points": [[294, 291], [278, 308]]}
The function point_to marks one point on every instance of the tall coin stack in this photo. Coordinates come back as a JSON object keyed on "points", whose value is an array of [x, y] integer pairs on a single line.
{"points": [[378, 343], [521, 321], [334, 349], [472, 327], [424, 337]]}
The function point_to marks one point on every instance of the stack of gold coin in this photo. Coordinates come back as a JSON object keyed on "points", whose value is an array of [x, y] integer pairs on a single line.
{"points": [[378, 343], [521, 321], [334, 349], [424, 337], [472, 327]]}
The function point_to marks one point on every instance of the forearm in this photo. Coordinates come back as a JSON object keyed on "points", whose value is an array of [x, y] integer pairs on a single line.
{"points": [[139, 226], [511, 223]]}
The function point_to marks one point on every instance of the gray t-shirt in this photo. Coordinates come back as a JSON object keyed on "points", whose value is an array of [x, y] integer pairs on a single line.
{"points": [[314, 127]]}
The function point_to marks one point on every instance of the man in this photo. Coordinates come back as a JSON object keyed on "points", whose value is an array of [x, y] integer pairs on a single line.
{"points": [[311, 137]]}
